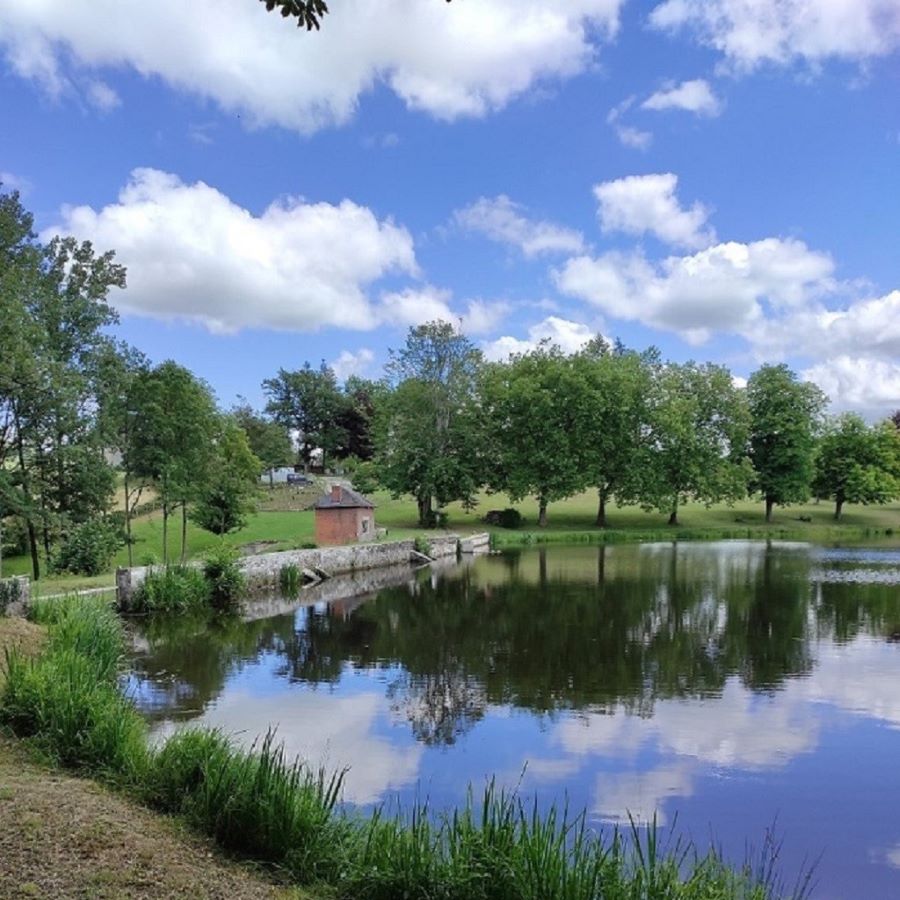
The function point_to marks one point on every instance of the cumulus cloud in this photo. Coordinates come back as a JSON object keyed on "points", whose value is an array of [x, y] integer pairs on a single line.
{"points": [[461, 60], [194, 254], [646, 204], [782, 31], [863, 384], [693, 96], [504, 221], [101, 96], [428, 303], [569, 336], [349, 363], [727, 287]]}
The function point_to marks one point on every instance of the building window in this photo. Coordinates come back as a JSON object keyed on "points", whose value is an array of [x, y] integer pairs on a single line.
{"points": [[365, 526]]}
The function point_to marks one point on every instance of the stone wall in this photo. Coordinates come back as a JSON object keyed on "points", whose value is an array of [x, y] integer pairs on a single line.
{"points": [[15, 595]]}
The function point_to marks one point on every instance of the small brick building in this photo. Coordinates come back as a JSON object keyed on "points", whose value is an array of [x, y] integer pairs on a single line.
{"points": [[343, 516]]}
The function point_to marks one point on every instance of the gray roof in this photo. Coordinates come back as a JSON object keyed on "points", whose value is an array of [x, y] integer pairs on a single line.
{"points": [[349, 500]]}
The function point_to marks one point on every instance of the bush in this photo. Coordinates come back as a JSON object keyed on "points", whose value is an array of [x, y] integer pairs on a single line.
{"points": [[365, 477], [289, 579], [172, 589], [15, 536], [88, 549], [505, 518], [224, 578]]}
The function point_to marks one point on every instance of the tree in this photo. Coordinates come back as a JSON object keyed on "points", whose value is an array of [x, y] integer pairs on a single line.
{"points": [[268, 440], [308, 402], [856, 463], [356, 419], [229, 491], [694, 443], [536, 415], [785, 415], [617, 384], [427, 426], [175, 441], [308, 13]]}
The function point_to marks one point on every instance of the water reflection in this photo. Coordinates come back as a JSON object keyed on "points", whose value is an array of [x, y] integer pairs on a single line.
{"points": [[641, 680]]}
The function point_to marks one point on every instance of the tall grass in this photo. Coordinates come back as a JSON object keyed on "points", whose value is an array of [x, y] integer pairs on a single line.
{"points": [[171, 589], [274, 810]]}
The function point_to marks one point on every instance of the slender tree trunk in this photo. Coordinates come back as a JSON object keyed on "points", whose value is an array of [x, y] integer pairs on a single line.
{"points": [[769, 504], [32, 535], [128, 523], [673, 516], [601, 509], [542, 512], [838, 507], [183, 531], [271, 480], [33, 545], [165, 510]]}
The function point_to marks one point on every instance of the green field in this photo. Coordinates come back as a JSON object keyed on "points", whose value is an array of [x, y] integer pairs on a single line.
{"points": [[571, 519]]}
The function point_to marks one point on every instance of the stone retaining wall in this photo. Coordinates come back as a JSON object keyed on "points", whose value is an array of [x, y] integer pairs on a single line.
{"points": [[15, 595]]}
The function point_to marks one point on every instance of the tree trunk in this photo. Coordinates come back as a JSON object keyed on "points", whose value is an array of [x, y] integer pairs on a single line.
{"points": [[183, 531], [673, 516], [542, 512], [425, 515], [769, 504], [838, 507], [601, 509], [271, 479], [33, 544], [32, 535], [128, 523], [165, 511]]}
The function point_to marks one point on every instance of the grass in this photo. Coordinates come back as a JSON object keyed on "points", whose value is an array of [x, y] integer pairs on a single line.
{"points": [[569, 520], [280, 812]]}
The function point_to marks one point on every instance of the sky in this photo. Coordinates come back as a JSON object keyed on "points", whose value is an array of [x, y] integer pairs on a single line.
{"points": [[718, 178]]}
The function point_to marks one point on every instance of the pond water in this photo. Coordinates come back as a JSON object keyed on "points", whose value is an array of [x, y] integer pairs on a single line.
{"points": [[730, 686]]}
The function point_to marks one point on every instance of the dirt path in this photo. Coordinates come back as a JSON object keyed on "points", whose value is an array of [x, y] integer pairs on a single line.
{"points": [[63, 837]]}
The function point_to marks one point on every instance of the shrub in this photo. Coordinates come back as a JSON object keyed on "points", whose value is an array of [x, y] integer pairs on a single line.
{"points": [[224, 578], [88, 549], [505, 518], [14, 539], [421, 545], [172, 589]]}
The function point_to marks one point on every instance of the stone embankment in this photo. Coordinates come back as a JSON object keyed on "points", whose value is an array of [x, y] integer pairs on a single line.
{"points": [[263, 571]]}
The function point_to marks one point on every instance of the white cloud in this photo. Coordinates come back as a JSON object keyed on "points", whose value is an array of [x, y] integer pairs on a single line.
{"points": [[13, 182], [722, 288], [428, 303], [349, 363], [693, 96], [101, 96], [569, 336], [868, 386], [782, 31], [450, 61], [194, 254], [642, 204], [627, 134], [502, 220]]}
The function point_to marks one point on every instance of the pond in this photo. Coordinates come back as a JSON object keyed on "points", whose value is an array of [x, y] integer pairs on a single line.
{"points": [[726, 688]]}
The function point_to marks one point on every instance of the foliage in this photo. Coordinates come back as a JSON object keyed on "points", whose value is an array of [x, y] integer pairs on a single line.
{"points": [[309, 402], [224, 578], [290, 579], [88, 548], [171, 589], [533, 436], [694, 443], [227, 493], [784, 419], [427, 427], [307, 12], [856, 463], [364, 476], [268, 440], [421, 545], [505, 518]]}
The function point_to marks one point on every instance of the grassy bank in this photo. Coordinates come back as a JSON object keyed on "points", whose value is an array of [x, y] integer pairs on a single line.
{"points": [[283, 814], [570, 520]]}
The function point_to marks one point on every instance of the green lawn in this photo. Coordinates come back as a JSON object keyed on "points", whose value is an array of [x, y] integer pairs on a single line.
{"points": [[569, 519]]}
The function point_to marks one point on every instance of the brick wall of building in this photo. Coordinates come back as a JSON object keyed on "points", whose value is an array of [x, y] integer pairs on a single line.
{"points": [[337, 525]]}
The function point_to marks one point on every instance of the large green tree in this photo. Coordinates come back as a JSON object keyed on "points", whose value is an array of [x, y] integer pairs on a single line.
{"points": [[856, 463], [268, 440], [427, 438], [537, 413], [309, 402], [694, 441], [616, 385], [785, 416]]}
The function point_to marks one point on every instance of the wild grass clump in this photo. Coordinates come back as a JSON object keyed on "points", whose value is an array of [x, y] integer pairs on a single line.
{"points": [[224, 579], [171, 589], [290, 579], [255, 803], [68, 700]]}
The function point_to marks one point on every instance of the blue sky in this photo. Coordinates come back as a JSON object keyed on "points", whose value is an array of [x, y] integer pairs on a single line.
{"points": [[717, 181]]}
